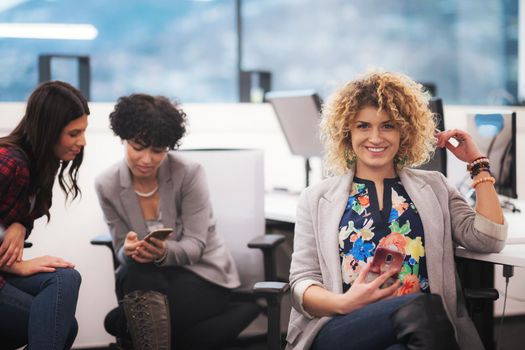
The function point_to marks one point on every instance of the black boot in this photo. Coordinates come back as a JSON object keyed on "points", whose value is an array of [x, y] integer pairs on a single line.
{"points": [[148, 320], [422, 323]]}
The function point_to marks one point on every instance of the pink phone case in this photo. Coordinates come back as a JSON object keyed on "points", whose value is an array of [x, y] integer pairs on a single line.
{"points": [[385, 259]]}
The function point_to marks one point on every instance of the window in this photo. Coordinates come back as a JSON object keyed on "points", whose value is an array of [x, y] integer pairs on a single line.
{"points": [[467, 48], [182, 49], [187, 49]]}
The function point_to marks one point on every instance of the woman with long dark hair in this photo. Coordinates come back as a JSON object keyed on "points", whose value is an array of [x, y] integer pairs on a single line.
{"points": [[38, 296]]}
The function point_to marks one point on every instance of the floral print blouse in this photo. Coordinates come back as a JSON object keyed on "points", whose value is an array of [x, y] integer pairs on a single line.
{"points": [[364, 227]]}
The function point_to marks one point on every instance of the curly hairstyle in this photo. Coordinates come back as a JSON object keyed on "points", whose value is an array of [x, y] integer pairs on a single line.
{"points": [[150, 120], [395, 94]]}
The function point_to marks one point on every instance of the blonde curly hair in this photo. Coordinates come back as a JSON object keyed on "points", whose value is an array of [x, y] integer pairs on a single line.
{"points": [[395, 94]]}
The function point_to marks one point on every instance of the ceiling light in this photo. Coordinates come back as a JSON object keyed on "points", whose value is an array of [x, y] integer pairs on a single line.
{"points": [[48, 31]]}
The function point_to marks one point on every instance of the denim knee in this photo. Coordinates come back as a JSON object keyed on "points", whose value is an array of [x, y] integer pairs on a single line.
{"points": [[69, 276], [73, 331]]}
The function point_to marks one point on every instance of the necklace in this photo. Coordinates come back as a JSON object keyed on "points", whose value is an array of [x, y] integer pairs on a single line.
{"points": [[147, 194]]}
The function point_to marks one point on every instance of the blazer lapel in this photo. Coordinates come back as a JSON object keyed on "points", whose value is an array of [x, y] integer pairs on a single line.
{"points": [[129, 201], [167, 200], [331, 208], [431, 215]]}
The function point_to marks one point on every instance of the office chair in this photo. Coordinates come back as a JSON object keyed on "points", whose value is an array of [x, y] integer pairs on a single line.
{"points": [[238, 204], [477, 280]]}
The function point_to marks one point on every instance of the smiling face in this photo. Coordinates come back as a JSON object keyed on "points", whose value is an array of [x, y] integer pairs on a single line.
{"points": [[375, 142], [143, 162], [72, 139]]}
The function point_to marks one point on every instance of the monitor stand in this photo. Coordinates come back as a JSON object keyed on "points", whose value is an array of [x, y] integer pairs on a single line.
{"points": [[307, 169]]}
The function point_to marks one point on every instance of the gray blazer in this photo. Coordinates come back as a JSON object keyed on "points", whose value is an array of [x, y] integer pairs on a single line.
{"points": [[185, 206], [447, 220]]}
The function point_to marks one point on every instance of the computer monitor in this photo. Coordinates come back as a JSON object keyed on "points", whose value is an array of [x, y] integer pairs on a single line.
{"points": [[439, 160], [299, 114], [495, 135]]}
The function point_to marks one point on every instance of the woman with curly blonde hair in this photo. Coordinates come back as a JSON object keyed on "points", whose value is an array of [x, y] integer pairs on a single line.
{"points": [[373, 262]]}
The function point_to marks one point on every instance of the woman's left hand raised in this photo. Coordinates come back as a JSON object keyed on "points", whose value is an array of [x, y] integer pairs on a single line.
{"points": [[12, 247], [466, 150]]}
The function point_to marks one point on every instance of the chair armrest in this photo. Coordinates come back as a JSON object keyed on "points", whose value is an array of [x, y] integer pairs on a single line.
{"points": [[269, 241], [27, 244], [268, 244], [103, 239], [488, 294], [273, 293], [271, 288]]}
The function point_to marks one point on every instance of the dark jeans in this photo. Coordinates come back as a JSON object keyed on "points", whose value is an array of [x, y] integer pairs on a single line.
{"points": [[366, 328], [39, 310], [194, 302]]}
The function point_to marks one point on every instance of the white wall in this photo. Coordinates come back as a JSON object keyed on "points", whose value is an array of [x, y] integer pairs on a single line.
{"points": [[211, 125]]}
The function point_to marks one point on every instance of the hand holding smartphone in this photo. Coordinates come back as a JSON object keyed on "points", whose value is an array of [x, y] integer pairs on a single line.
{"points": [[385, 259], [160, 234]]}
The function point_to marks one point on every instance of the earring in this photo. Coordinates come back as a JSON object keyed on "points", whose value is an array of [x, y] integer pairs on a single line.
{"points": [[400, 161], [350, 158]]}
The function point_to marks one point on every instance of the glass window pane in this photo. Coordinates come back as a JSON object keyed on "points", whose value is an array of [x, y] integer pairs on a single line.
{"points": [[183, 49], [467, 48]]}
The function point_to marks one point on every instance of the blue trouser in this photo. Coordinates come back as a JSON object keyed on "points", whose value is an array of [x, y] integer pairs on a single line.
{"points": [[366, 328], [39, 310]]}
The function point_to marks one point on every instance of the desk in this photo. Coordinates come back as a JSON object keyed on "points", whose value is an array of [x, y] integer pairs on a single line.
{"points": [[280, 206], [513, 255]]}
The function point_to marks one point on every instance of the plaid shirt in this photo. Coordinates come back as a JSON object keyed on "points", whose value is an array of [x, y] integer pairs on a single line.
{"points": [[14, 190]]}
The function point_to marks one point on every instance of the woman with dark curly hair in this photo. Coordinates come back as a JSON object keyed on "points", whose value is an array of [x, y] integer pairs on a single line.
{"points": [[150, 189], [38, 297], [373, 261]]}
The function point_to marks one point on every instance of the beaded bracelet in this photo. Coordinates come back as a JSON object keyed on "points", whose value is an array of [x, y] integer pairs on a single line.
{"points": [[479, 167], [478, 162], [482, 158], [475, 172], [490, 179]]}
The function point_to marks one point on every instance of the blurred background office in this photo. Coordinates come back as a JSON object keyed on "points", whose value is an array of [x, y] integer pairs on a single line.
{"points": [[193, 49]]}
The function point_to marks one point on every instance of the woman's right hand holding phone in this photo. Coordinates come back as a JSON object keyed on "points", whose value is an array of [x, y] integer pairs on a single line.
{"points": [[362, 293], [320, 302], [143, 251]]}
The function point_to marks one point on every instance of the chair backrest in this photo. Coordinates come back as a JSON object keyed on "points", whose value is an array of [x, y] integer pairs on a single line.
{"points": [[236, 182]]}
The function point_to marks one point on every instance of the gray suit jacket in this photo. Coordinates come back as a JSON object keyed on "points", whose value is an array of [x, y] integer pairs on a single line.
{"points": [[185, 206], [447, 220]]}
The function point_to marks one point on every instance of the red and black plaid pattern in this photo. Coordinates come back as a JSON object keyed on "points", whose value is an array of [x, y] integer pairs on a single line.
{"points": [[14, 190], [14, 187]]}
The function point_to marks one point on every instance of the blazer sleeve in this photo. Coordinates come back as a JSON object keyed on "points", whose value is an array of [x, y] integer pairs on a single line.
{"points": [[118, 227], [470, 229], [194, 220], [305, 269]]}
